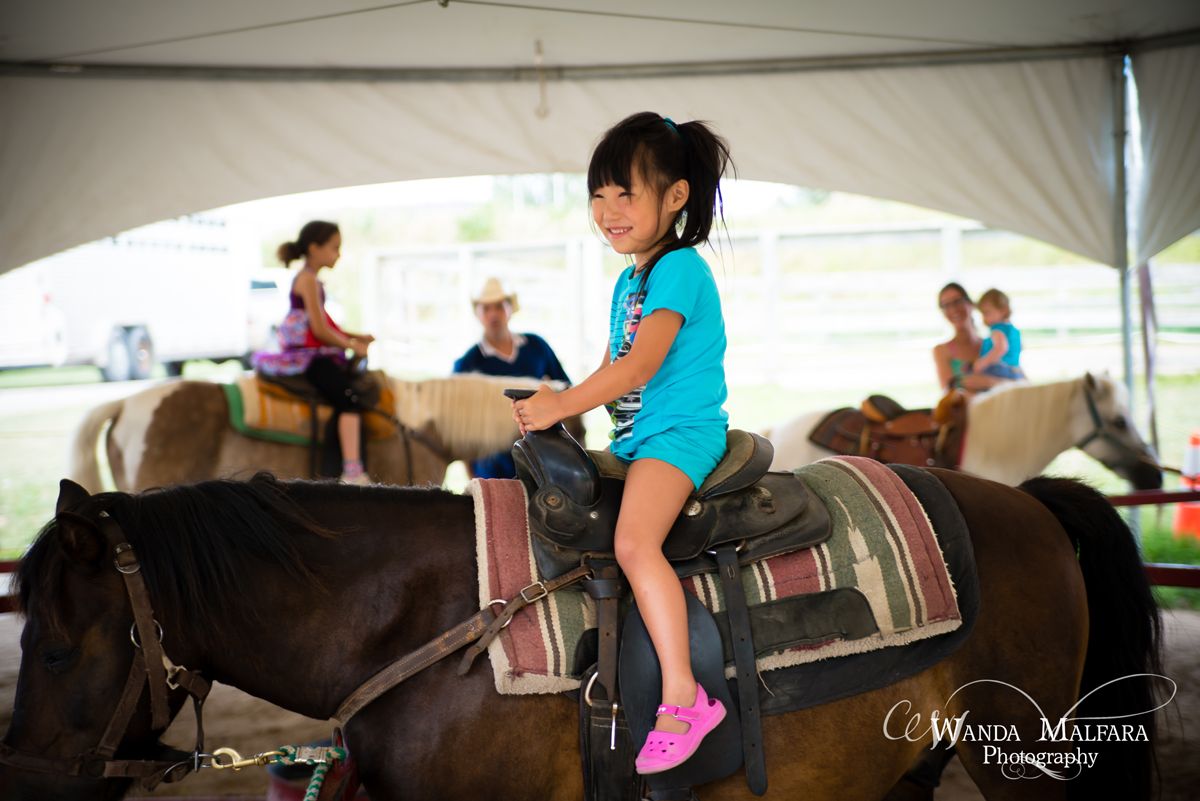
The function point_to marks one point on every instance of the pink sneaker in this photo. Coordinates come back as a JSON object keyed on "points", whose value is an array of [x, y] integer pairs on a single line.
{"points": [[665, 750]]}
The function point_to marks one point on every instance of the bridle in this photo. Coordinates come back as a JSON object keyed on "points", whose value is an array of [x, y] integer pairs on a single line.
{"points": [[1104, 431], [151, 668]]}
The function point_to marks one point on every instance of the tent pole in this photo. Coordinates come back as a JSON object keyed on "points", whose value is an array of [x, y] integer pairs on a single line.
{"points": [[1120, 243], [1120, 214]]}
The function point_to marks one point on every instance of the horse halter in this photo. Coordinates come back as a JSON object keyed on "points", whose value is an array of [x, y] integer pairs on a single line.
{"points": [[152, 668], [1103, 430]]}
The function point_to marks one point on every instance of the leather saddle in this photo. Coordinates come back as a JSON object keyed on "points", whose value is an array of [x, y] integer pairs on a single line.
{"points": [[884, 430], [741, 514], [368, 387], [575, 498]]}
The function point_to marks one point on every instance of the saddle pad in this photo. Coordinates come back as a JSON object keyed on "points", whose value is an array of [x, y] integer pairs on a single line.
{"points": [[261, 412], [882, 546], [257, 414], [535, 654]]}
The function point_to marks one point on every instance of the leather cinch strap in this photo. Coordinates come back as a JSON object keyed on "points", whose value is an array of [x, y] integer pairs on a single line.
{"points": [[747, 671]]}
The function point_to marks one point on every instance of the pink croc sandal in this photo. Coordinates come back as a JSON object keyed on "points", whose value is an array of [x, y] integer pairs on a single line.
{"points": [[665, 750]]}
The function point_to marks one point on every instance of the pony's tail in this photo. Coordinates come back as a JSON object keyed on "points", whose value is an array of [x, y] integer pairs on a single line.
{"points": [[84, 467], [1124, 639]]}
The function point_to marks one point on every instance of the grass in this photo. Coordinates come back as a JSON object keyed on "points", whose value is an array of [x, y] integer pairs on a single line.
{"points": [[34, 442], [1159, 544]]}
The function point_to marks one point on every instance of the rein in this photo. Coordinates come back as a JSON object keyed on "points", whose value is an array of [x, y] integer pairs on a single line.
{"points": [[408, 434], [151, 668]]}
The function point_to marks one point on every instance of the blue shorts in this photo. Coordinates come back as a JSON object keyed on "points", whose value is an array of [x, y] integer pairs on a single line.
{"points": [[693, 451], [1002, 370]]}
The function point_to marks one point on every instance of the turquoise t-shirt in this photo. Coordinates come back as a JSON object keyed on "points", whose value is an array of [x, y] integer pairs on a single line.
{"points": [[1012, 356], [688, 391]]}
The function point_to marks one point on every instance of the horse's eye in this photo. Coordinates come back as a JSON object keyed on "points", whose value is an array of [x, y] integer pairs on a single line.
{"points": [[58, 660], [1120, 423]]}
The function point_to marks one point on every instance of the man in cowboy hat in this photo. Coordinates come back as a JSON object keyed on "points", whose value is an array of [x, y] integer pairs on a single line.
{"points": [[502, 352]]}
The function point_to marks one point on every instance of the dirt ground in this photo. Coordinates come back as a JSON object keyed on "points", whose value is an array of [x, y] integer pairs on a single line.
{"points": [[248, 725]]}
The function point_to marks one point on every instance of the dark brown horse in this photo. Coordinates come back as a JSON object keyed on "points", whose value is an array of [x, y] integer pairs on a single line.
{"points": [[297, 592]]}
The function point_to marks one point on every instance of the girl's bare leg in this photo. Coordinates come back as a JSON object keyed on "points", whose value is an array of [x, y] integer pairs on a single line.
{"points": [[654, 493], [349, 426]]}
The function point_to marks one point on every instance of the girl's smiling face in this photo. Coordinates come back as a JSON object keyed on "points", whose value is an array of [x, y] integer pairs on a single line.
{"points": [[634, 219]]}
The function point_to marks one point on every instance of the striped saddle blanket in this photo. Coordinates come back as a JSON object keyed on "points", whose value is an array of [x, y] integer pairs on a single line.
{"points": [[267, 411], [882, 546]]}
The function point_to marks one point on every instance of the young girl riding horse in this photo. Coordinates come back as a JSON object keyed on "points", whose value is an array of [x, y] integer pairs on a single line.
{"points": [[314, 345], [654, 188]]}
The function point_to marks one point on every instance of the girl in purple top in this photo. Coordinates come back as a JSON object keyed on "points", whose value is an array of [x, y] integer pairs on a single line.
{"points": [[314, 346]]}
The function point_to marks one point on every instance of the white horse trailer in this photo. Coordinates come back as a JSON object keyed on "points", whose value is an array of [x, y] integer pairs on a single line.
{"points": [[165, 293]]}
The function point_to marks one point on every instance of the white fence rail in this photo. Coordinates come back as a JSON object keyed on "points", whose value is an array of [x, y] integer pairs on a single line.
{"points": [[801, 306]]}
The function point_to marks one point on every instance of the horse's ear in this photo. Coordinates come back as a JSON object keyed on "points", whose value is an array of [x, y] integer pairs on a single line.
{"points": [[1090, 379], [70, 495], [79, 538]]}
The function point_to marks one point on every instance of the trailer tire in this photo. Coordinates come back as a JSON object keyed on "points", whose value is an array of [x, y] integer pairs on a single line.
{"points": [[141, 353], [119, 363]]}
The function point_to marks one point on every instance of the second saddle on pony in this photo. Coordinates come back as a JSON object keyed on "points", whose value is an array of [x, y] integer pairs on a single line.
{"points": [[886, 431]]}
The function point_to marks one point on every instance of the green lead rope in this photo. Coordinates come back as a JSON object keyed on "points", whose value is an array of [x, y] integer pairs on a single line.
{"points": [[320, 758]]}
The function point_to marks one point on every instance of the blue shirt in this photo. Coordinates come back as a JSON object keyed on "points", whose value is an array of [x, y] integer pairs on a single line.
{"points": [[688, 391], [533, 359], [1012, 356]]}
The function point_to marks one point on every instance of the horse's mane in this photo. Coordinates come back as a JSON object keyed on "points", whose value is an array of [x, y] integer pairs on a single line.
{"points": [[472, 416], [1019, 418], [197, 545]]}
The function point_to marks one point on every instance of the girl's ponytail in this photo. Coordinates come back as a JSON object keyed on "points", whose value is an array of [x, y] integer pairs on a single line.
{"points": [[288, 252], [317, 232], [706, 158]]}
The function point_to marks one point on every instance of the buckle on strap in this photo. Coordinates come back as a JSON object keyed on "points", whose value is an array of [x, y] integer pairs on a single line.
{"points": [[538, 586], [125, 560]]}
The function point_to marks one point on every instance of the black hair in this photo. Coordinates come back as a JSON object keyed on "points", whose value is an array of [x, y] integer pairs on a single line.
{"points": [[957, 287], [664, 152], [317, 232]]}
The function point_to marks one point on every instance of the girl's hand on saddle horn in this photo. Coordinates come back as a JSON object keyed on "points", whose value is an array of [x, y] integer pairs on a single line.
{"points": [[359, 344], [539, 411]]}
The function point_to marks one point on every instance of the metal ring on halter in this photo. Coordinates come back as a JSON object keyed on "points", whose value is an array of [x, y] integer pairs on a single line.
{"points": [[503, 603], [133, 635]]}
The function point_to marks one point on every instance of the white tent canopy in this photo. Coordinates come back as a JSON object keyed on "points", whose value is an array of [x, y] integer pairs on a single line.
{"points": [[128, 112], [1168, 203]]}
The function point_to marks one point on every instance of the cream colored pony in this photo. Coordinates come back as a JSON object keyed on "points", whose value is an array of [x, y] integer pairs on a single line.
{"points": [[179, 431], [1015, 430]]}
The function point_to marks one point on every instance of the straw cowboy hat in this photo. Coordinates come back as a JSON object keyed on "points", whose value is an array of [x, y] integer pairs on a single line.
{"points": [[493, 292]]}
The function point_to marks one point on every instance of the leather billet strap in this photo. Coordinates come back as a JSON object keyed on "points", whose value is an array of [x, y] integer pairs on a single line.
{"points": [[747, 670], [606, 589], [481, 628]]}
